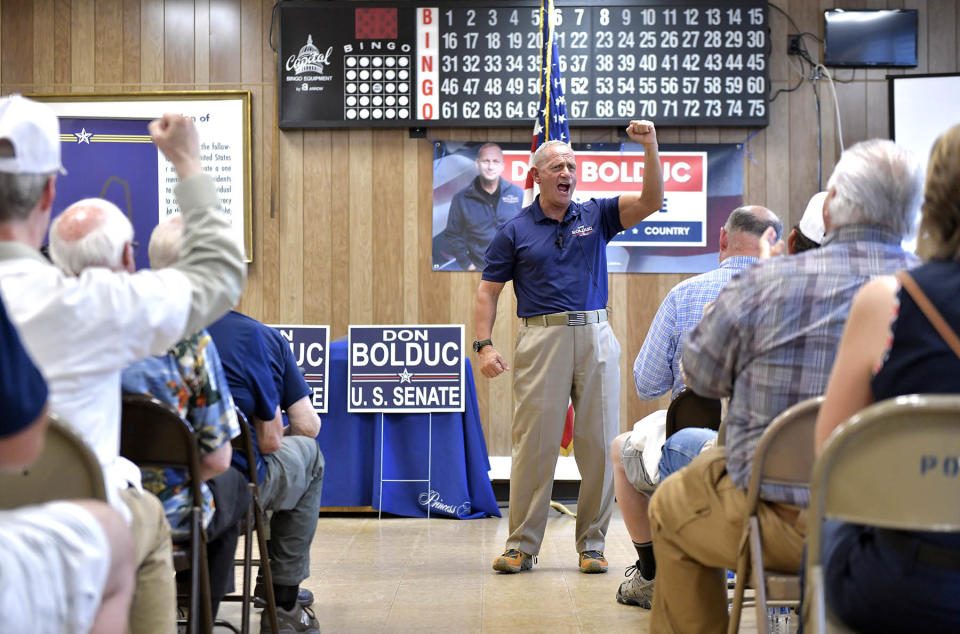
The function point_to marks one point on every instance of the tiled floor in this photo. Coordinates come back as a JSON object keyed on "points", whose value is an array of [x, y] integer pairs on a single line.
{"points": [[409, 575]]}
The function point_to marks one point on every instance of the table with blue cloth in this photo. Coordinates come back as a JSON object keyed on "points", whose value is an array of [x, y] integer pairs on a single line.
{"points": [[352, 445]]}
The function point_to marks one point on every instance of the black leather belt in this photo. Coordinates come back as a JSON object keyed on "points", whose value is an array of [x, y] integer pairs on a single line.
{"points": [[569, 318], [912, 549]]}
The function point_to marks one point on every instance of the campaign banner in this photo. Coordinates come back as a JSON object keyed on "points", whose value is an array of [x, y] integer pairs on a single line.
{"points": [[405, 368], [702, 184], [681, 222], [310, 346]]}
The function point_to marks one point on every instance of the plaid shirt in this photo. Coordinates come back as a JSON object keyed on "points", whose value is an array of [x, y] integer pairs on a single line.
{"points": [[770, 340], [657, 367]]}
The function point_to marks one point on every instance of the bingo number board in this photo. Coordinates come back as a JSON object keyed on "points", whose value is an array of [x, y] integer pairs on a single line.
{"points": [[476, 64]]}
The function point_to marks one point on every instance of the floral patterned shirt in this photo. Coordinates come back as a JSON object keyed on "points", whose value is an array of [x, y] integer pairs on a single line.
{"points": [[190, 378]]}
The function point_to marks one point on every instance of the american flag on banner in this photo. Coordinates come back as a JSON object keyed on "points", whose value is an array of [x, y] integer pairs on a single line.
{"points": [[551, 123]]}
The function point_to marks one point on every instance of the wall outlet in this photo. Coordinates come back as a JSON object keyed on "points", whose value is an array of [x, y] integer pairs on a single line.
{"points": [[793, 44]]}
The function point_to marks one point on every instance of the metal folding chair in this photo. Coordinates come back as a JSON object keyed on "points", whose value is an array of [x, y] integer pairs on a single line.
{"points": [[884, 467], [784, 457], [255, 518], [153, 435], [67, 469]]}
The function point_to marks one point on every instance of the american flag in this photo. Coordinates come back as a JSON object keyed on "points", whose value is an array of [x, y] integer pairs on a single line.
{"points": [[551, 123]]}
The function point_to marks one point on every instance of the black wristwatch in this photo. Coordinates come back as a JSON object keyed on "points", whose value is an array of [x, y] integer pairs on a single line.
{"points": [[478, 345]]}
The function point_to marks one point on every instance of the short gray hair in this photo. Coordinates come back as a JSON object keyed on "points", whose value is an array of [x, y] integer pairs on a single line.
{"points": [[876, 182], [743, 220], [540, 155], [101, 245], [19, 194], [164, 249]]}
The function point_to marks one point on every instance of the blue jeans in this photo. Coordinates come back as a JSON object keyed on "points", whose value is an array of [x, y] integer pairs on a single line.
{"points": [[682, 447]]}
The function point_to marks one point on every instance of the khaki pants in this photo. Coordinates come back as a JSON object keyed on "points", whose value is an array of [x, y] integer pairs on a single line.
{"points": [[552, 365], [696, 517], [154, 607]]}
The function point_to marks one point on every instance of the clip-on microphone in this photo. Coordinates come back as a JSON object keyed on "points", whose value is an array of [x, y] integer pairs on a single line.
{"points": [[559, 241]]}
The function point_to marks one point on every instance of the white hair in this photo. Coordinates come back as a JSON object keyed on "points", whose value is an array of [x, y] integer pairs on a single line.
{"points": [[540, 155], [102, 245], [164, 249], [876, 182]]}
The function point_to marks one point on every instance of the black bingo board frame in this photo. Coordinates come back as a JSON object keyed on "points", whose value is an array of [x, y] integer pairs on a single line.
{"points": [[691, 63]]}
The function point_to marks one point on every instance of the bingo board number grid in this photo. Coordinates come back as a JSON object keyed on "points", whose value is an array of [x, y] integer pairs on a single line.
{"points": [[377, 87], [417, 64]]}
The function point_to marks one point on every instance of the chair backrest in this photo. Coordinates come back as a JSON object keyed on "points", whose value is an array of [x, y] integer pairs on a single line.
{"points": [[67, 469], [896, 464], [689, 409], [785, 453], [153, 435]]}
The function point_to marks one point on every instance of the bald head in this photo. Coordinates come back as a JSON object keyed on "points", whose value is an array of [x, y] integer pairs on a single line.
{"points": [[743, 229], [91, 232]]}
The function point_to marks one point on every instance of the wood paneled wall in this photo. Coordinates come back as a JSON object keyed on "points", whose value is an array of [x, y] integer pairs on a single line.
{"points": [[341, 219]]}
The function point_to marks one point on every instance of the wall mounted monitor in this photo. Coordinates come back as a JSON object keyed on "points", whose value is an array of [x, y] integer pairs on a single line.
{"points": [[884, 38]]}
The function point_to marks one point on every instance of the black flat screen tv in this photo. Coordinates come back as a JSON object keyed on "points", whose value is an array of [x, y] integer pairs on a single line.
{"points": [[858, 38]]}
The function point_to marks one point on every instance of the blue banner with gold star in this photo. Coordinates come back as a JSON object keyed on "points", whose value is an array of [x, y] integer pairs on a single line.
{"points": [[405, 369], [112, 159]]}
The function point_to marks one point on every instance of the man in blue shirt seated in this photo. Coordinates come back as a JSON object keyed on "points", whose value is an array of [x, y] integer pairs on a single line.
{"points": [[64, 566], [555, 253], [656, 371], [268, 386]]}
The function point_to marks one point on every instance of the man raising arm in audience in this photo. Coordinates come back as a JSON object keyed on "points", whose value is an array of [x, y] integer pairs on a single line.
{"points": [[188, 377], [769, 342], [83, 331]]}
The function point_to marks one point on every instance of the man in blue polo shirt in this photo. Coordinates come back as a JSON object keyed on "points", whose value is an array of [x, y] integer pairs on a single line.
{"points": [[555, 253], [269, 389]]}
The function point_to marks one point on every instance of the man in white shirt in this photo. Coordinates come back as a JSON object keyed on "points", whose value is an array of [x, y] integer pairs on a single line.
{"points": [[83, 331]]}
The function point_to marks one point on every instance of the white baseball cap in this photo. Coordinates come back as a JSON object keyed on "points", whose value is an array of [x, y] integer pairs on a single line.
{"points": [[34, 132], [811, 224]]}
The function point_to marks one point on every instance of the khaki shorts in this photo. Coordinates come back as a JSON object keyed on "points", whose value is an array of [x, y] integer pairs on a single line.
{"points": [[54, 560], [637, 474]]}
